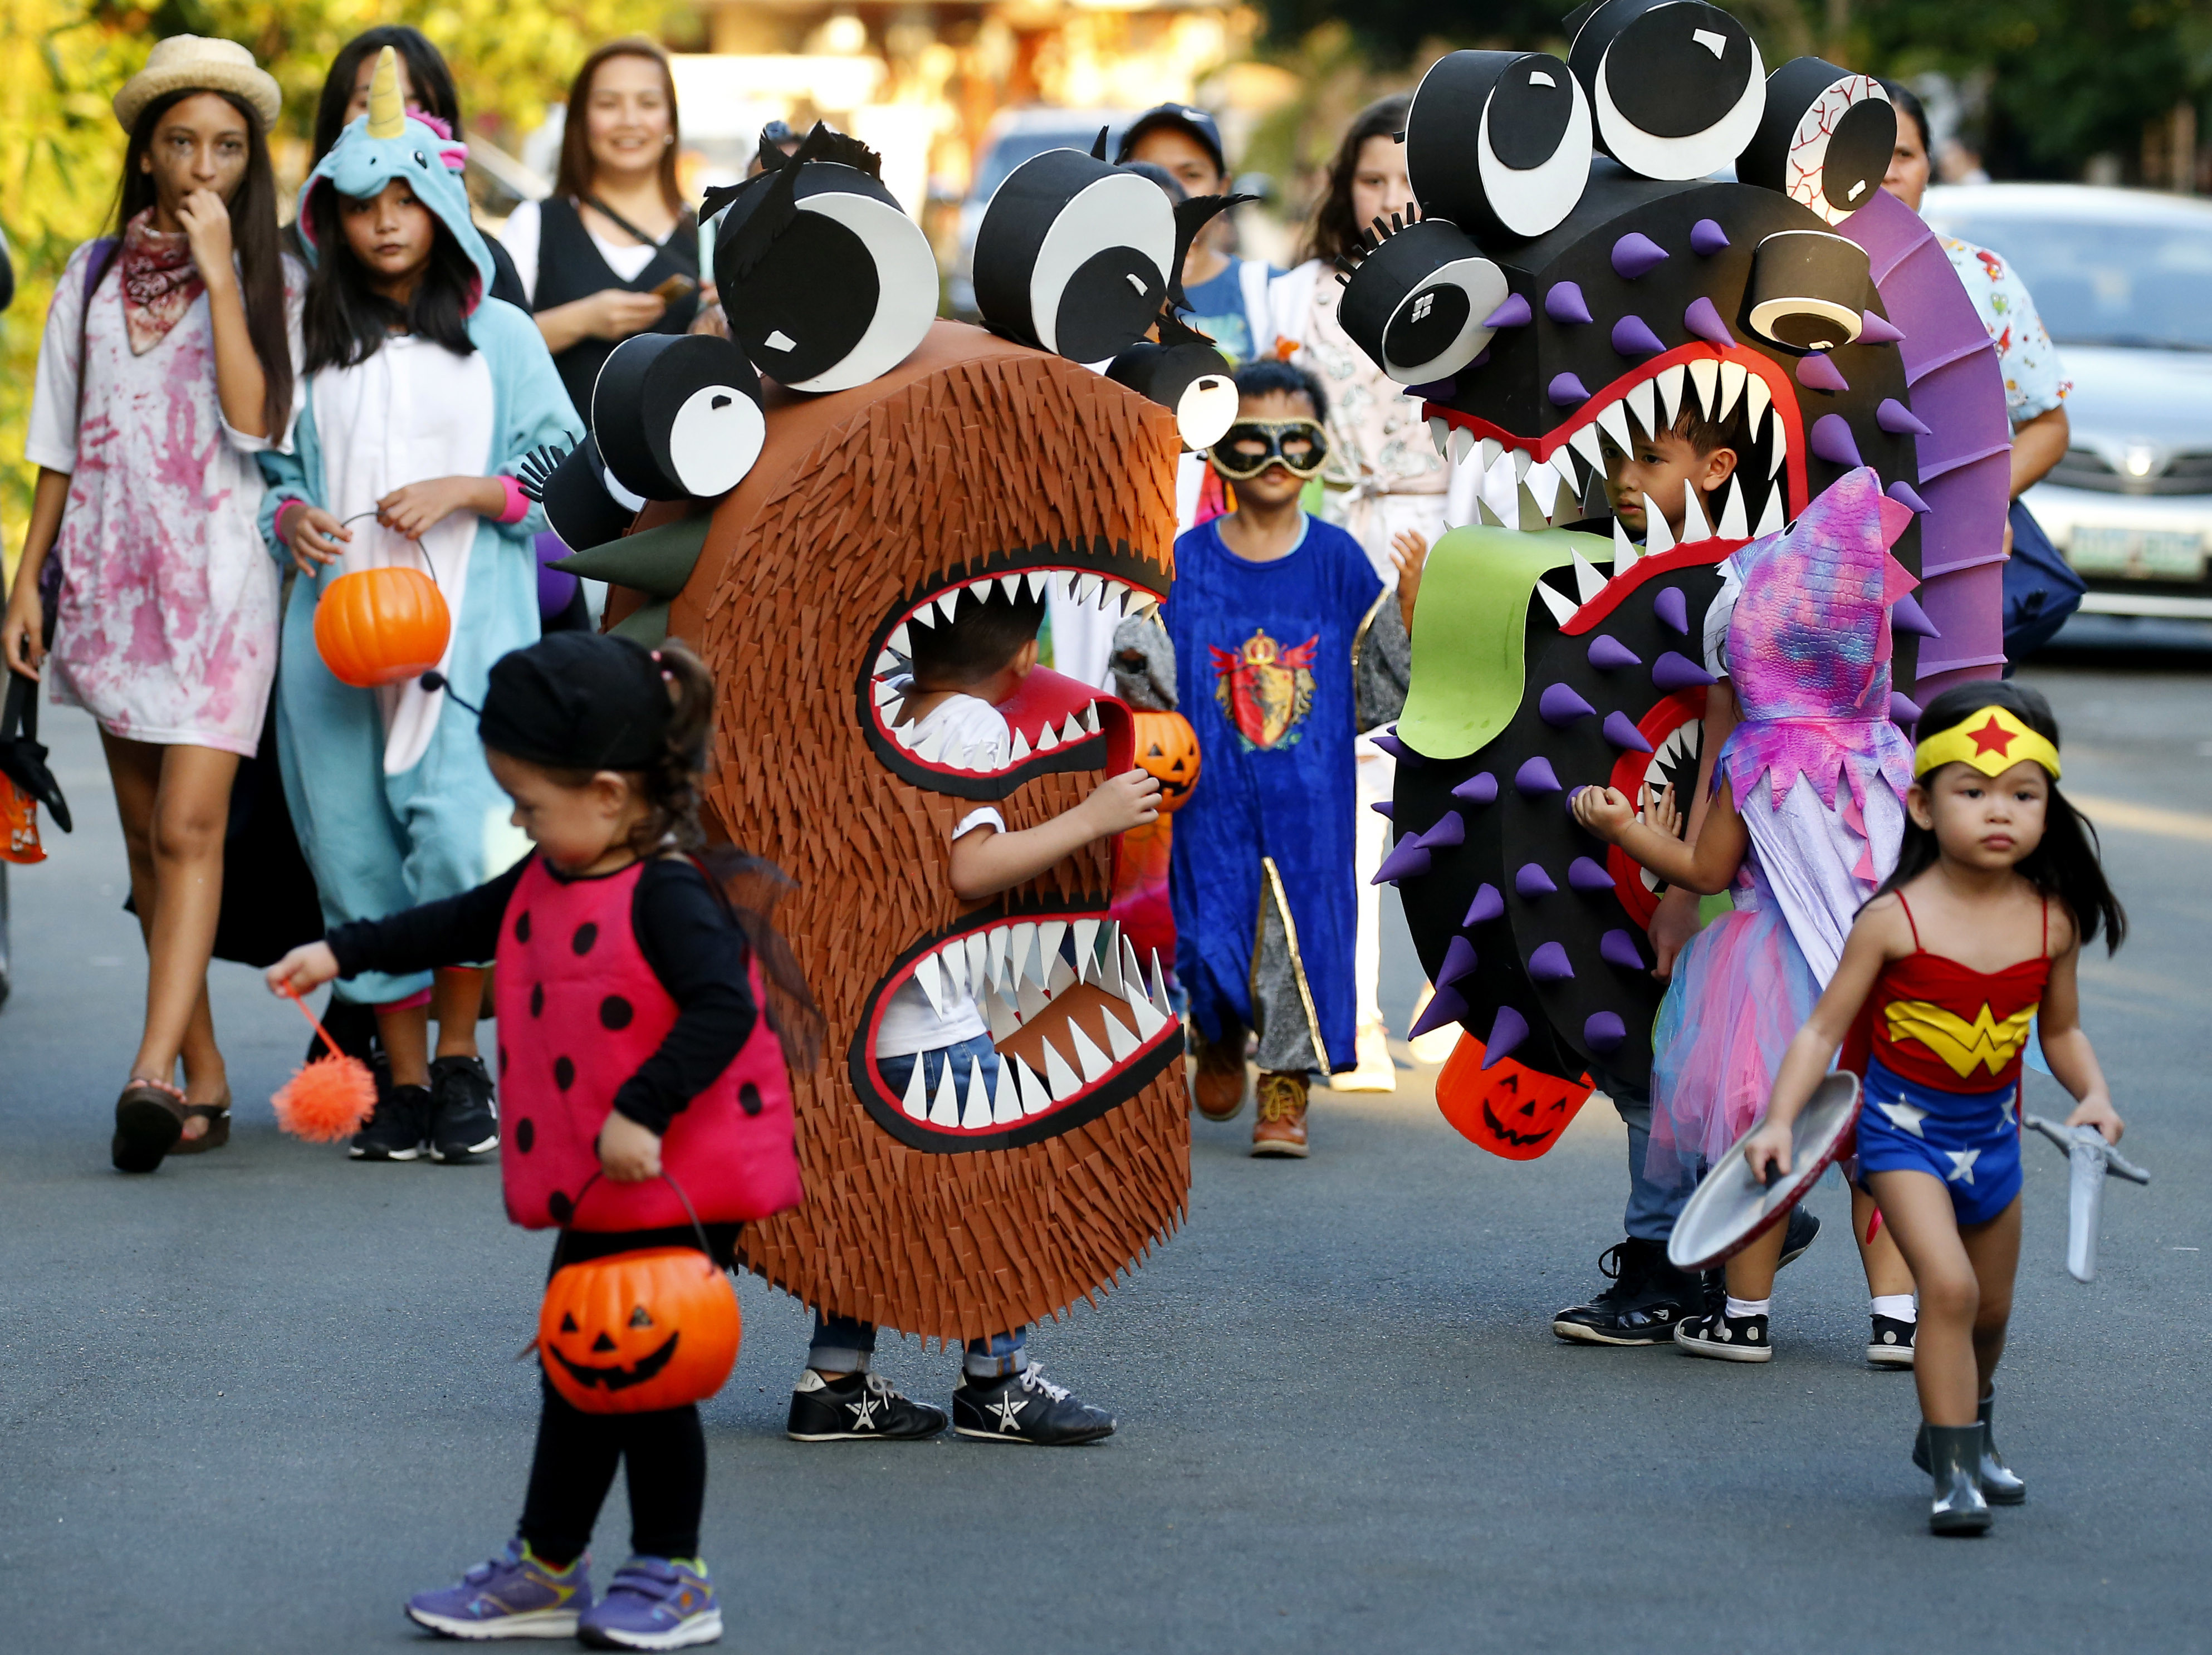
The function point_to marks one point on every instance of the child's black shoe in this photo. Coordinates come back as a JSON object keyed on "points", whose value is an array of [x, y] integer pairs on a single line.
{"points": [[396, 1131], [1025, 1407], [1890, 1344], [1730, 1338], [463, 1122], [856, 1408]]}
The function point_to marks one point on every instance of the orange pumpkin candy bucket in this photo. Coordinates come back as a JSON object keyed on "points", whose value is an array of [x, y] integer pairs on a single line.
{"points": [[378, 626]]}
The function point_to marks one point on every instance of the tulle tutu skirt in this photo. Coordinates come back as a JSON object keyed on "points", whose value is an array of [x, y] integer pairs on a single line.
{"points": [[1740, 992]]}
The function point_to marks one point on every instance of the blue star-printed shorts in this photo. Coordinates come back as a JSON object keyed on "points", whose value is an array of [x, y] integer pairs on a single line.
{"points": [[1970, 1140]]}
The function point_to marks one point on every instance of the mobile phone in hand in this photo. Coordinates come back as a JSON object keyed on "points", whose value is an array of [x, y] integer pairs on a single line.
{"points": [[678, 286]]}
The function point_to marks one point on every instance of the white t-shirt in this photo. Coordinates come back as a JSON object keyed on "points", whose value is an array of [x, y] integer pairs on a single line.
{"points": [[910, 1023], [520, 238]]}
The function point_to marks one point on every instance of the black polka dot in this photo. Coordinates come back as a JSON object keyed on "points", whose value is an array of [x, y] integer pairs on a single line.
{"points": [[525, 1133], [749, 1098], [522, 926], [502, 1062], [615, 1012], [537, 998], [587, 934], [561, 1206], [564, 1074]]}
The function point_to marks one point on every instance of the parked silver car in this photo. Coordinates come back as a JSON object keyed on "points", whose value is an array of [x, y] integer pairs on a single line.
{"points": [[2123, 280]]}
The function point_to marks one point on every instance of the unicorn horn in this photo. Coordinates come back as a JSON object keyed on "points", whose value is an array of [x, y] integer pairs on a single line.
{"points": [[387, 113]]}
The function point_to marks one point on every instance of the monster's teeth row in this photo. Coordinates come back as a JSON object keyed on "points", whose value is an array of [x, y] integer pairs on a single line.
{"points": [[1113, 599], [1014, 972]]}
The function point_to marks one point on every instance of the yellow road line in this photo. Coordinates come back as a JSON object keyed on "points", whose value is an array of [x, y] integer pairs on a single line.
{"points": [[2143, 818]]}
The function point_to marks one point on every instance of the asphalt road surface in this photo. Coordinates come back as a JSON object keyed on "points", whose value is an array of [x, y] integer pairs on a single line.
{"points": [[251, 1402]]}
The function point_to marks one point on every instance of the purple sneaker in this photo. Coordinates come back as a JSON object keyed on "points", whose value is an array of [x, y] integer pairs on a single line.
{"points": [[512, 1595], [654, 1603]]}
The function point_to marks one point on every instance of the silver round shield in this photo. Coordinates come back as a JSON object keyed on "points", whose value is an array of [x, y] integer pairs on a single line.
{"points": [[1731, 1209]]}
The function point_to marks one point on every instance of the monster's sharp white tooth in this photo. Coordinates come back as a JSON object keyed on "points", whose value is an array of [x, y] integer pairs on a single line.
{"points": [[1562, 611], [1778, 449], [1585, 443], [1110, 594], [1047, 738], [1061, 978], [886, 662], [1440, 433], [1624, 553], [999, 973], [1670, 392], [1124, 1043], [1072, 730], [1588, 582], [1756, 397], [1522, 459], [946, 1110], [1641, 399], [1657, 536], [916, 1101], [1133, 974], [1483, 515], [1086, 587], [1704, 380], [1694, 526], [1057, 1074], [1021, 949], [1050, 934], [1770, 520], [1006, 1103], [1035, 580], [1490, 449], [885, 694], [1160, 1003], [977, 944], [906, 734], [1564, 462], [1019, 749], [1461, 443], [1095, 1064], [1002, 1018], [1090, 718], [1501, 489], [1148, 1018], [949, 605], [925, 615], [1108, 972], [1030, 999], [977, 1114], [1012, 585], [956, 756], [901, 639], [1035, 1099], [926, 972], [931, 749], [1733, 375], [1542, 484], [1086, 947], [1531, 515], [1735, 523], [953, 959], [1614, 423]]}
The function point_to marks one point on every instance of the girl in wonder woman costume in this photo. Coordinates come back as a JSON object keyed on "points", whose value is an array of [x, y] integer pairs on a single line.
{"points": [[1976, 934]]}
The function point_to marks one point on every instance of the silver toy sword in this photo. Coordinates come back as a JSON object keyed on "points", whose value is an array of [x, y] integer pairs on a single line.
{"points": [[2094, 1160]]}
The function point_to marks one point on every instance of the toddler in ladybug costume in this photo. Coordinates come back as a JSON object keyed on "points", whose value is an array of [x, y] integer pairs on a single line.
{"points": [[631, 1044]]}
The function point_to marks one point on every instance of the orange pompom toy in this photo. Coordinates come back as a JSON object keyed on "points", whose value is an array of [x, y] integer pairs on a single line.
{"points": [[329, 1100]]}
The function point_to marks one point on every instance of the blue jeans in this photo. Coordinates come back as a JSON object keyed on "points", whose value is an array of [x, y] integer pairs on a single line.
{"points": [[842, 1344], [1653, 1205]]}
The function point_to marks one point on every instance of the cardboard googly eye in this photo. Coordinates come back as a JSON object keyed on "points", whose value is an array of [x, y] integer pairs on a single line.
{"points": [[1809, 289], [1498, 143], [1192, 378], [1074, 256], [679, 415], [844, 286], [1676, 86], [1418, 303], [1825, 139], [583, 505]]}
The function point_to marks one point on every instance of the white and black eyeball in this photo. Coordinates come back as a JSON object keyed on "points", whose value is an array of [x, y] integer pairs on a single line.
{"points": [[1418, 303], [678, 416], [1825, 140], [1074, 256], [1676, 86], [1809, 289], [1192, 378], [1498, 143], [844, 291]]}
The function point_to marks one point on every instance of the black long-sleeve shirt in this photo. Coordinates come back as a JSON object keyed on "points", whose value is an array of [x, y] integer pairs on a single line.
{"points": [[688, 937]]}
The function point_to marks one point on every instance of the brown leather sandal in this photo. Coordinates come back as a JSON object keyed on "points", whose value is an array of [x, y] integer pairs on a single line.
{"points": [[217, 1117], [149, 1118]]}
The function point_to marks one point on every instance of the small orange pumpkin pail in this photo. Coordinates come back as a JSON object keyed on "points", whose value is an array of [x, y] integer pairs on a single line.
{"points": [[1167, 751], [378, 626], [636, 1332]]}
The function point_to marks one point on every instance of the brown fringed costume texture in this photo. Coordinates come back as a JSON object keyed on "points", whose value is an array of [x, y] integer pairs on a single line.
{"points": [[973, 456]]}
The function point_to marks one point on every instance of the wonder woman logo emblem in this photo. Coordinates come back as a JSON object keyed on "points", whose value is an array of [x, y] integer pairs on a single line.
{"points": [[1983, 1043]]}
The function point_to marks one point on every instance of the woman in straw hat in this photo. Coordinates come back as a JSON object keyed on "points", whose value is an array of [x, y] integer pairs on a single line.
{"points": [[166, 365]]}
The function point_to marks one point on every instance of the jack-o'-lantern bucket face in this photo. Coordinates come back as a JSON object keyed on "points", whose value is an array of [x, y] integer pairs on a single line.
{"points": [[638, 1331], [1167, 751]]}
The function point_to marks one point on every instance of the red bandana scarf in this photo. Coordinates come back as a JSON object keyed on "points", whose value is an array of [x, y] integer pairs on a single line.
{"points": [[160, 282]]}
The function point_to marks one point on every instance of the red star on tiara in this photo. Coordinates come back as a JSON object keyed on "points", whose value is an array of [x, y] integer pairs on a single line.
{"points": [[1993, 738]]}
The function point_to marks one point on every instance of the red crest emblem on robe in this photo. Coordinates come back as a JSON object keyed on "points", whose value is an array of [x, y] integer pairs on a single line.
{"points": [[1265, 690]]}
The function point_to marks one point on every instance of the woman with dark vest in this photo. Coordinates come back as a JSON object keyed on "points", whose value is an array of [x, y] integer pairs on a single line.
{"points": [[613, 250]]}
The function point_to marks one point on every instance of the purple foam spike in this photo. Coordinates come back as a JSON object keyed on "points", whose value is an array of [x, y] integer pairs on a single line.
{"points": [[1399, 750], [1636, 253], [1673, 610], [1632, 338], [1559, 706], [1507, 1031], [1385, 808], [1621, 731], [1904, 495], [1817, 373], [1608, 652], [1514, 312], [1487, 906], [1409, 859], [1549, 964], [1478, 789], [1834, 441], [1903, 709], [1907, 615], [1449, 830], [1617, 947], [1531, 882], [1677, 672], [1703, 319], [1894, 417], [1445, 1007], [1459, 960], [1567, 391], [1565, 303], [1584, 873], [1603, 1033], [1878, 330], [1535, 778], [1707, 238]]}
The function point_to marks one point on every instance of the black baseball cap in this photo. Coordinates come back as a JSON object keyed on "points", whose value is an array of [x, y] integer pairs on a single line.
{"points": [[1196, 122]]}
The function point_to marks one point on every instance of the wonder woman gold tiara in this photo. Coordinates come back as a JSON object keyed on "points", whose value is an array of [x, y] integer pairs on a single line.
{"points": [[1992, 739]]}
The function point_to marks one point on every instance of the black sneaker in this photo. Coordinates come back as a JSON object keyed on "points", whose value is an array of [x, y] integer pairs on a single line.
{"points": [[1648, 1297], [397, 1130], [858, 1408], [1802, 1228], [1730, 1338], [463, 1123], [1026, 1407], [1890, 1344]]}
